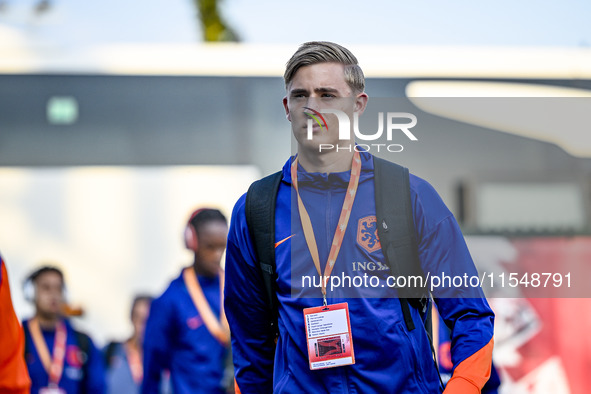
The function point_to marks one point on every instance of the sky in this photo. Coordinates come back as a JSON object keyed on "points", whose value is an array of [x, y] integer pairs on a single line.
{"points": [[422, 22]]}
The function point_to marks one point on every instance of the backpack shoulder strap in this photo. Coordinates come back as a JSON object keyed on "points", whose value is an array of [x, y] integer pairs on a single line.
{"points": [[85, 347], [396, 231], [260, 218], [109, 353], [27, 339], [83, 342]]}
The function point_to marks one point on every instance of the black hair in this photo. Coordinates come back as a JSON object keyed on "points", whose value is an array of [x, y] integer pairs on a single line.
{"points": [[43, 270], [205, 216], [140, 298]]}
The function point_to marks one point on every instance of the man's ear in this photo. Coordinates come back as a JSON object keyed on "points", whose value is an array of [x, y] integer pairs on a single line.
{"points": [[287, 114], [361, 102]]}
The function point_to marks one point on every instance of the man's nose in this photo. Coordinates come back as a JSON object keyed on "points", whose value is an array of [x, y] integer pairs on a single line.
{"points": [[312, 106], [312, 103]]}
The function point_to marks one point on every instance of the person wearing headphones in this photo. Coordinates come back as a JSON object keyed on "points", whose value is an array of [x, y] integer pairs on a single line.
{"points": [[14, 378], [61, 360], [187, 332]]}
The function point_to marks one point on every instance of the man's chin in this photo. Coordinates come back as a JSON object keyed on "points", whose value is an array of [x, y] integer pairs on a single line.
{"points": [[212, 271], [50, 314]]}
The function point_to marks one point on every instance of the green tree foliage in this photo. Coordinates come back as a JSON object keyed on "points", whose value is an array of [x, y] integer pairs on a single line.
{"points": [[214, 28]]}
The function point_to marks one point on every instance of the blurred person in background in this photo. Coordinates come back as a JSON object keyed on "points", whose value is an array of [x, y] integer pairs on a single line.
{"points": [[14, 378], [60, 359], [124, 360], [187, 332]]}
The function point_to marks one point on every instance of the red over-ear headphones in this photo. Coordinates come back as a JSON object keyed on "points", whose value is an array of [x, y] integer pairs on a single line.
{"points": [[191, 240]]}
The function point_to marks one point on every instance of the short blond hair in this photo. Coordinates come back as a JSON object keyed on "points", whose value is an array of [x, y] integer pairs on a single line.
{"points": [[315, 52]]}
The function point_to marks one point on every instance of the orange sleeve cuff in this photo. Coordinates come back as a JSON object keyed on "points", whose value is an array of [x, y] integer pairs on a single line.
{"points": [[457, 385], [472, 374]]}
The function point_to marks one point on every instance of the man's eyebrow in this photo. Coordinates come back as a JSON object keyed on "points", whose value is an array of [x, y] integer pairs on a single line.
{"points": [[317, 90], [326, 90], [298, 91]]}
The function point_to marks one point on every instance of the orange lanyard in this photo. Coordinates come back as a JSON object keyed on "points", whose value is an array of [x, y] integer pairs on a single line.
{"points": [[135, 362], [53, 366], [342, 224], [218, 328]]}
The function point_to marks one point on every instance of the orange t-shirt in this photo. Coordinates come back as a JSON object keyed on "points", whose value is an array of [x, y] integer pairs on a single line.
{"points": [[14, 377]]}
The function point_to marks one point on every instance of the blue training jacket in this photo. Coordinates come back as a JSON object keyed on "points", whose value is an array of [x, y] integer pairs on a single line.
{"points": [[72, 380], [119, 377], [177, 340], [389, 358]]}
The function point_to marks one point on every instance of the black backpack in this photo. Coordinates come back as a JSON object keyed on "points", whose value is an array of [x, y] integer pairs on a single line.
{"points": [[396, 232]]}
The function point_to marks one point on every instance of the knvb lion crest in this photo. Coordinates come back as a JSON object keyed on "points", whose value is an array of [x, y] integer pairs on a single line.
{"points": [[367, 234]]}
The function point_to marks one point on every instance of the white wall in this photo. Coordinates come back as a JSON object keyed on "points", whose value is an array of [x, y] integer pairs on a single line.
{"points": [[115, 231]]}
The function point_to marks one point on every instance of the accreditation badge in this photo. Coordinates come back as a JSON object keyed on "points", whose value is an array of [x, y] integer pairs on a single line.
{"points": [[328, 335]]}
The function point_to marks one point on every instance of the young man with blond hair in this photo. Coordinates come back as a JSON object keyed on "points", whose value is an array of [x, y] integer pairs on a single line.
{"points": [[325, 201]]}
